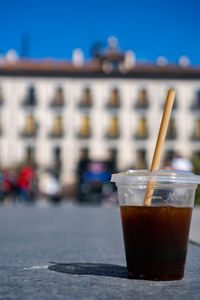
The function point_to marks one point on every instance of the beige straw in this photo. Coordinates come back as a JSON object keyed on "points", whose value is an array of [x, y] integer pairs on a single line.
{"points": [[159, 144]]}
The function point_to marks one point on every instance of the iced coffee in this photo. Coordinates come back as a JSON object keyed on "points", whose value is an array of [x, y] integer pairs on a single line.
{"points": [[156, 236]]}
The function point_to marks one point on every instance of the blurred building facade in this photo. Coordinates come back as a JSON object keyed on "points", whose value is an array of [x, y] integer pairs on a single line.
{"points": [[110, 106]]}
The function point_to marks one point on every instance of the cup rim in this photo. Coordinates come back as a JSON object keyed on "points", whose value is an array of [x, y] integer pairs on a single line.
{"points": [[143, 176]]}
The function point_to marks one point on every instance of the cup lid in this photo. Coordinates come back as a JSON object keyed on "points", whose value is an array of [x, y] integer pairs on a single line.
{"points": [[143, 176]]}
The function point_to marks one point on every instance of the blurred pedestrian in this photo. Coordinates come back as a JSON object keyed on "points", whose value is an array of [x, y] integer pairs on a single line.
{"points": [[49, 186], [23, 184], [181, 163], [6, 184]]}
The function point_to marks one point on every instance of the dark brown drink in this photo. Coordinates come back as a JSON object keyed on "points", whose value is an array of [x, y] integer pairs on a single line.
{"points": [[155, 240]]}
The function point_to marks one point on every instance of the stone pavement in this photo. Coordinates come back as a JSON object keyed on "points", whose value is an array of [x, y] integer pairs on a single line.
{"points": [[83, 247]]}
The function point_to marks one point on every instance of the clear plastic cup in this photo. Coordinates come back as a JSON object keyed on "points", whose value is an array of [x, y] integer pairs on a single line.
{"points": [[156, 236]]}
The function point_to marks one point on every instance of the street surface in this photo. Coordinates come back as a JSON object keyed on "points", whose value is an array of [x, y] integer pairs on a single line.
{"points": [[83, 248]]}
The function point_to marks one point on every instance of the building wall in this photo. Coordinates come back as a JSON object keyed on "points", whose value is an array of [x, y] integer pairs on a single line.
{"points": [[12, 113]]}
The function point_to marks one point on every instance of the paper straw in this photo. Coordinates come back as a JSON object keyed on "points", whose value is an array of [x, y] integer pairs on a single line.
{"points": [[159, 144]]}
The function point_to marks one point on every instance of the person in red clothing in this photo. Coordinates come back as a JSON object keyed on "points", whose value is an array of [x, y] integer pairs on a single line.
{"points": [[23, 183], [6, 184]]}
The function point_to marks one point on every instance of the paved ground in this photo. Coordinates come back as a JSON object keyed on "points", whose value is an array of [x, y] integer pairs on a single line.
{"points": [[85, 244]]}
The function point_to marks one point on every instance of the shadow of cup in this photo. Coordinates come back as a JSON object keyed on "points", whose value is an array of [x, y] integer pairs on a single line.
{"points": [[90, 269]]}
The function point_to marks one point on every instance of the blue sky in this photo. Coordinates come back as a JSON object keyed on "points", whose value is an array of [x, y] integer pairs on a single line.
{"points": [[150, 28]]}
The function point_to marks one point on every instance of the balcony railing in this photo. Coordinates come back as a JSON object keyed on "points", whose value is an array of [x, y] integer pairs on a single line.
{"points": [[55, 104], [113, 134], [56, 134], [141, 106], [171, 136], [141, 136], [84, 135], [84, 104], [113, 106], [26, 134], [29, 102], [195, 137]]}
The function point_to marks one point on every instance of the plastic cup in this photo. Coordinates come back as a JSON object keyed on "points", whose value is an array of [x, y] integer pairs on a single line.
{"points": [[156, 237]]}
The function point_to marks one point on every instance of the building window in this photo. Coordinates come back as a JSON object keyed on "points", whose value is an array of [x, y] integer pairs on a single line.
{"points": [[196, 102], [30, 128], [113, 153], [114, 101], [86, 99], [168, 156], [57, 162], [196, 133], [141, 162], [30, 99], [81, 168], [171, 131], [58, 100], [142, 101], [1, 96], [175, 104], [141, 132], [85, 130], [84, 154], [57, 128], [29, 154], [113, 128]]}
